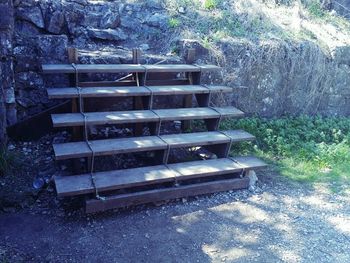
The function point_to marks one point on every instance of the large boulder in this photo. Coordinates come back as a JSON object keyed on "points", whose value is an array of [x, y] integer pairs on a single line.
{"points": [[56, 22], [31, 14]]}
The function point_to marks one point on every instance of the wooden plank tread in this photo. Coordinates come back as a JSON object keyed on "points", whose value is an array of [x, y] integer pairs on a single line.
{"points": [[120, 179], [147, 143], [116, 68], [119, 117], [99, 92]]}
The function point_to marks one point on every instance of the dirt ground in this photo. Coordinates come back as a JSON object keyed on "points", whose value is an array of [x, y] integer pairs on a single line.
{"points": [[281, 221]]}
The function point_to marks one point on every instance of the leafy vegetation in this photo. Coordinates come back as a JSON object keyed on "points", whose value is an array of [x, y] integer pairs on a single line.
{"points": [[303, 148], [315, 9], [210, 4], [174, 22], [8, 161]]}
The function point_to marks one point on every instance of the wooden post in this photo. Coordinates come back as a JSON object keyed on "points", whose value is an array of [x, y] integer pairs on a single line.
{"points": [[187, 101], [137, 101]]}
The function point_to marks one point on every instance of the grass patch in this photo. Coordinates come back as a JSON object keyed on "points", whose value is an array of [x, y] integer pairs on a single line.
{"points": [[312, 149]]}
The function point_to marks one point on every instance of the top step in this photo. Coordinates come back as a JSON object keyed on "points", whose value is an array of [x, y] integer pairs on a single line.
{"points": [[117, 68]]}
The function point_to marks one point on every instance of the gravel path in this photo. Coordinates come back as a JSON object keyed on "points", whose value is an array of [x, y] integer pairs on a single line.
{"points": [[280, 222]]}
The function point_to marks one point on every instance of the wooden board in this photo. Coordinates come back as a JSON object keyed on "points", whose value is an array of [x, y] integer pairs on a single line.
{"points": [[128, 178], [101, 118], [186, 114], [247, 162], [229, 112], [112, 180], [147, 143], [99, 92], [239, 135], [132, 199], [139, 116], [108, 147], [195, 139], [91, 68], [115, 68], [179, 68]]}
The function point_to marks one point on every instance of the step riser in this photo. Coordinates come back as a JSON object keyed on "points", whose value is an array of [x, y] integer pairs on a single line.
{"points": [[94, 206]]}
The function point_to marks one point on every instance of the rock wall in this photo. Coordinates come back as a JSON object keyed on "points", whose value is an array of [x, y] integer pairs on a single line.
{"points": [[274, 78], [7, 97]]}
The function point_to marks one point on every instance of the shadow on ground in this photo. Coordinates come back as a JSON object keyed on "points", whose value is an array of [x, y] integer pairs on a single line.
{"points": [[281, 222]]}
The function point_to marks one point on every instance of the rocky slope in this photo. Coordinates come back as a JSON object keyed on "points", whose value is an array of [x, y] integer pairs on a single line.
{"points": [[284, 57]]}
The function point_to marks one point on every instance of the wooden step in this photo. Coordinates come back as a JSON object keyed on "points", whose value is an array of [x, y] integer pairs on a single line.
{"points": [[148, 143], [99, 92], [128, 178], [120, 117], [119, 68]]}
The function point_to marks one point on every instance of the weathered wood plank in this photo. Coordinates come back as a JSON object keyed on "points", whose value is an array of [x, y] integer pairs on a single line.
{"points": [[108, 147], [98, 92], [113, 180], [102, 118], [91, 68], [128, 178], [115, 68], [229, 111], [247, 162], [132, 199], [239, 135], [147, 143], [139, 116]]}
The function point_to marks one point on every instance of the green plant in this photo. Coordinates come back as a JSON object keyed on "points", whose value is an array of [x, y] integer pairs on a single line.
{"points": [[174, 22], [303, 148], [210, 4], [316, 9], [7, 161]]}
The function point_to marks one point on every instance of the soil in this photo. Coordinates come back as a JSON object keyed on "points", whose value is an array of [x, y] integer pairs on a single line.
{"points": [[280, 221]]}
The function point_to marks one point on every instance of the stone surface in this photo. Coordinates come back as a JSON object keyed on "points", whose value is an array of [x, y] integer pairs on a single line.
{"points": [[110, 20], [341, 55], [56, 22], [158, 20], [31, 14], [266, 84], [107, 34]]}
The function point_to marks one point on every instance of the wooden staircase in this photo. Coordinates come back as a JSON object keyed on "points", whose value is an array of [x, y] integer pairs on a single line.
{"points": [[120, 188]]}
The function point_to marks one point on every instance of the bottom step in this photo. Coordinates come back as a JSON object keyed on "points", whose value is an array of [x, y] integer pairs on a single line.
{"points": [[123, 200], [151, 175]]}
